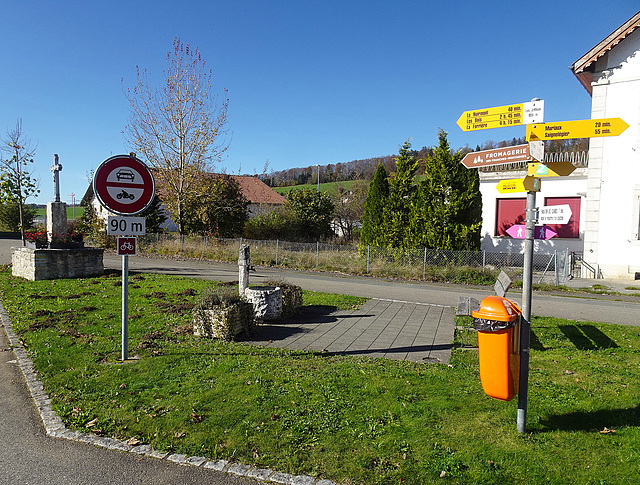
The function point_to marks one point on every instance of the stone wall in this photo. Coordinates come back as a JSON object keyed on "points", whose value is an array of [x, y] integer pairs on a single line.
{"points": [[50, 264]]}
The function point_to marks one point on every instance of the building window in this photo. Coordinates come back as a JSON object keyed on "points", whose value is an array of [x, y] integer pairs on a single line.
{"points": [[509, 212], [572, 228]]}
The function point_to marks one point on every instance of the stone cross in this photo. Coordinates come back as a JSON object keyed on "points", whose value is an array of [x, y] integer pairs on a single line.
{"points": [[56, 168]]}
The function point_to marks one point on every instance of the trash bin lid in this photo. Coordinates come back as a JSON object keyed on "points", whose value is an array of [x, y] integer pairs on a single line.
{"points": [[497, 308]]}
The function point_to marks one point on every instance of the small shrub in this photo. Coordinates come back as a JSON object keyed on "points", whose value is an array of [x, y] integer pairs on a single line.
{"points": [[216, 297]]}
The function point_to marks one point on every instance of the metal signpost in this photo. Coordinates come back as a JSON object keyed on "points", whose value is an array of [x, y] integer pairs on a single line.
{"points": [[125, 186], [531, 114]]}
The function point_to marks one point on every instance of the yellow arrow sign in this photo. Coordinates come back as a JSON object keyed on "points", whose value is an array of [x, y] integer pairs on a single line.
{"points": [[563, 130], [527, 184], [552, 169], [496, 117]]}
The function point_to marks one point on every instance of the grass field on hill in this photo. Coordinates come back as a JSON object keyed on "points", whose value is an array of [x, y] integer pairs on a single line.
{"points": [[331, 187], [70, 212], [349, 419]]}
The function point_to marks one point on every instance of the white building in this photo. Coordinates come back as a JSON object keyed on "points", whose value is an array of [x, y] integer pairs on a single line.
{"points": [[610, 72]]}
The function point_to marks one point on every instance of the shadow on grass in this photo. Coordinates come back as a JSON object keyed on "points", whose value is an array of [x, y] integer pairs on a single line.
{"points": [[535, 342], [587, 337], [592, 421]]}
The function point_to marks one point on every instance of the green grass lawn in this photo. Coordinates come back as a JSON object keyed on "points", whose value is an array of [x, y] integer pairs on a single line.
{"points": [[344, 418]]}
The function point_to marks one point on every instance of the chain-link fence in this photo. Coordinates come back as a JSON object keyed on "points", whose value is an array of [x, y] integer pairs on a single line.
{"points": [[421, 264]]}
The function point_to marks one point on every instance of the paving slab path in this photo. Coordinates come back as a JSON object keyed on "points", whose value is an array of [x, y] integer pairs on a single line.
{"points": [[379, 328]]}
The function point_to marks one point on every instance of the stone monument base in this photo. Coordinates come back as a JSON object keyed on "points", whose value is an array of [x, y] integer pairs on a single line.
{"points": [[56, 218], [50, 264]]}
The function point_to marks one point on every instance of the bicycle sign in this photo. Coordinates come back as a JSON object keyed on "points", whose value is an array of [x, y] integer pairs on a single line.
{"points": [[127, 246], [124, 185]]}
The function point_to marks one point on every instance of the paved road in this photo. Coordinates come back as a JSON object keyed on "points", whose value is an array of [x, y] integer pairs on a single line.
{"points": [[577, 308]]}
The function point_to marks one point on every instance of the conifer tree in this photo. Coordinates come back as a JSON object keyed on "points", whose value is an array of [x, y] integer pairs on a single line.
{"points": [[373, 219], [448, 209], [402, 190]]}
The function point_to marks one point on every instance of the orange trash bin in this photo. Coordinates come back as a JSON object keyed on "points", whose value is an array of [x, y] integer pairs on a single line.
{"points": [[498, 324]]}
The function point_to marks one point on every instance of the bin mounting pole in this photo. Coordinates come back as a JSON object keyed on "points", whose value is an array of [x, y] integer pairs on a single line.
{"points": [[525, 330]]}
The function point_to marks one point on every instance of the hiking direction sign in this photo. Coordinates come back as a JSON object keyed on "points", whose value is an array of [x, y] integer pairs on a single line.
{"points": [[502, 116], [555, 214], [518, 231], [498, 156], [124, 185], [564, 130]]}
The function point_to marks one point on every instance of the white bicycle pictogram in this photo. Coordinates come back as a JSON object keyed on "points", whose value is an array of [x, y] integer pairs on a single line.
{"points": [[126, 246]]}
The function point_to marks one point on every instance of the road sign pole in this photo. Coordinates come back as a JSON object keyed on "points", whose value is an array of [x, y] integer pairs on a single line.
{"points": [[125, 306], [525, 329]]}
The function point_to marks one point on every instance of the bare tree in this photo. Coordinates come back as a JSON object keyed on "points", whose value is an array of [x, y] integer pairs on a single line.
{"points": [[16, 184], [178, 128]]}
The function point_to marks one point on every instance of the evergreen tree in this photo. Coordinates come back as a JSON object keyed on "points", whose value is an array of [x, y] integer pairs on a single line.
{"points": [[155, 215], [402, 190], [448, 209], [373, 219]]}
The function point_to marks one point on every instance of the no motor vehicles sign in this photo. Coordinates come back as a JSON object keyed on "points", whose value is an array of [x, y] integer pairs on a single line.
{"points": [[124, 185]]}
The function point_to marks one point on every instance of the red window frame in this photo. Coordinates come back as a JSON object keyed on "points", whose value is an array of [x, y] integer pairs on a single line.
{"points": [[509, 212]]}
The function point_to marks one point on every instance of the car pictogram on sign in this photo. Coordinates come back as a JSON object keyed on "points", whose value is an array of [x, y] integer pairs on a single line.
{"points": [[125, 174]]}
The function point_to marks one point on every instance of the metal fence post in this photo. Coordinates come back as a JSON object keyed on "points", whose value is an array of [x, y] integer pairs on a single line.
{"points": [[484, 259], [368, 256], [424, 264], [277, 249], [317, 253]]}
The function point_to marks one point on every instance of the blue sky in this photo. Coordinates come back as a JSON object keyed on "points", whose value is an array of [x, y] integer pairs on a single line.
{"points": [[308, 82]]}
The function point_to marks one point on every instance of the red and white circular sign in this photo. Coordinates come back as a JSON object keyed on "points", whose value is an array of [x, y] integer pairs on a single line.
{"points": [[124, 185]]}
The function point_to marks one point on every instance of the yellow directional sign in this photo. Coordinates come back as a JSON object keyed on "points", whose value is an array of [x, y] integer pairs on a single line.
{"points": [[527, 184], [496, 117], [552, 169], [563, 130]]}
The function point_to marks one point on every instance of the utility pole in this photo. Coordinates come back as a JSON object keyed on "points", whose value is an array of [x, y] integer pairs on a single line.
{"points": [[73, 204]]}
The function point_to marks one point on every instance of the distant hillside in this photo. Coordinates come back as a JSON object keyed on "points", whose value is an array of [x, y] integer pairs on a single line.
{"points": [[364, 169]]}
